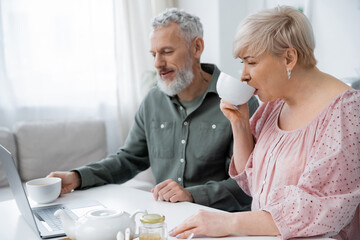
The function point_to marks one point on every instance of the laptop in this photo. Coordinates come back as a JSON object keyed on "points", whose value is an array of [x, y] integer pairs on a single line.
{"points": [[41, 219]]}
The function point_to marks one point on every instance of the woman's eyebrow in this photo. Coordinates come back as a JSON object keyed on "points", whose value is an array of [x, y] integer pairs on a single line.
{"points": [[248, 57]]}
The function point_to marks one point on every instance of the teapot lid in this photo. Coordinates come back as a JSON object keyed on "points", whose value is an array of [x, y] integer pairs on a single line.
{"points": [[104, 213], [152, 218]]}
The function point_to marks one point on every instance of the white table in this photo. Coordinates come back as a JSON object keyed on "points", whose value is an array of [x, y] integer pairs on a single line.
{"points": [[13, 226]]}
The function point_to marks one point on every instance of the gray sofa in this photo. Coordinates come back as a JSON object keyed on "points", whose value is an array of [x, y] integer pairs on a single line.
{"points": [[41, 147]]}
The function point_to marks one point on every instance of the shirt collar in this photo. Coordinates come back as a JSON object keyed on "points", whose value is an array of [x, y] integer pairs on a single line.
{"points": [[214, 71]]}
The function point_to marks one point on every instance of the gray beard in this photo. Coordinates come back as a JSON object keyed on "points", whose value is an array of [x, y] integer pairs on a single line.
{"points": [[182, 80]]}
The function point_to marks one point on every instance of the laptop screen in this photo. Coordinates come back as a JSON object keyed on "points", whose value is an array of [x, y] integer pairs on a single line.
{"points": [[40, 224], [17, 187]]}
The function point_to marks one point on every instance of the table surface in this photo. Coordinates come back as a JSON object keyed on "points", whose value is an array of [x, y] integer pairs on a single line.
{"points": [[14, 227]]}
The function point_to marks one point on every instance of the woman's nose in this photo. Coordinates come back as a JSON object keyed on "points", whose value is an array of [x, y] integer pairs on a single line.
{"points": [[244, 76]]}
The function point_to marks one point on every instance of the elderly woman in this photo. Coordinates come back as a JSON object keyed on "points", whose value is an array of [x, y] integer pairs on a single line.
{"points": [[299, 156]]}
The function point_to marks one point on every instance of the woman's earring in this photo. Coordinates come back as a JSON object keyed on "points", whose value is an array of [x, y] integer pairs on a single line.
{"points": [[289, 74]]}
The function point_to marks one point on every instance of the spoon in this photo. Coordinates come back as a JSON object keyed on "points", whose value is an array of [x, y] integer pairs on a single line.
{"points": [[190, 236], [127, 234]]}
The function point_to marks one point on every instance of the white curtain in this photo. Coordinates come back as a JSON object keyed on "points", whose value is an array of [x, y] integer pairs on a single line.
{"points": [[66, 59], [58, 62], [135, 63]]}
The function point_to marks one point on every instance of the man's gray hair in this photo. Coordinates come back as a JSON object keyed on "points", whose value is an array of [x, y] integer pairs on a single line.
{"points": [[190, 25]]}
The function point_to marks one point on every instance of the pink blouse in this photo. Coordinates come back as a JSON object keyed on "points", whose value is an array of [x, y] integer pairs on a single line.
{"points": [[308, 179]]}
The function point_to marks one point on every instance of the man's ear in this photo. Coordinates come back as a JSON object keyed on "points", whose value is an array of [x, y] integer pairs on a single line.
{"points": [[197, 47], [291, 58]]}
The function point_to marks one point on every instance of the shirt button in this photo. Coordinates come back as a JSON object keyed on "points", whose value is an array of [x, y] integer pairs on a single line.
{"points": [[270, 154], [182, 160], [264, 182], [213, 126], [179, 179], [162, 125], [185, 123], [183, 141], [181, 108]]}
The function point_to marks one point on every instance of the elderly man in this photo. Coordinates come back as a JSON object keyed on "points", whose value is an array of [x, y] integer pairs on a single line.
{"points": [[179, 129]]}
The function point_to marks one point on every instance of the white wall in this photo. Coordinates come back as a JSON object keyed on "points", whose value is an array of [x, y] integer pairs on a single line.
{"points": [[336, 25], [220, 20], [229, 22], [207, 11]]}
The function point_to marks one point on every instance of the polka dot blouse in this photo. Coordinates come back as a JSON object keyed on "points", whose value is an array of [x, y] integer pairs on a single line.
{"points": [[308, 179]]}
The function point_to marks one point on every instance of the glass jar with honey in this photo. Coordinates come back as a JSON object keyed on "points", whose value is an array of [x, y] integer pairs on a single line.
{"points": [[153, 227]]}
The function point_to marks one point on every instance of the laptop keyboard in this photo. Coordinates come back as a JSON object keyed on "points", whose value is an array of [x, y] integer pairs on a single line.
{"points": [[47, 215]]}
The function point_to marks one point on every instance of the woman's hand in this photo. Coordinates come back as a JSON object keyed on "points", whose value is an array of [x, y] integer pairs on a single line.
{"points": [[214, 224], [220, 224], [234, 113], [243, 139]]}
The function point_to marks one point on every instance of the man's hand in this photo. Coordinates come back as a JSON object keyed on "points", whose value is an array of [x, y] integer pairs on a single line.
{"points": [[69, 180], [170, 191]]}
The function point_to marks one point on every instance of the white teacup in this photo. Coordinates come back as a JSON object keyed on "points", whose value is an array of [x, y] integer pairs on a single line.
{"points": [[44, 190], [233, 90]]}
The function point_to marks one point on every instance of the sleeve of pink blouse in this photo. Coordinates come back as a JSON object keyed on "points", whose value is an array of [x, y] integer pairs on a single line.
{"points": [[257, 121], [328, 192]]}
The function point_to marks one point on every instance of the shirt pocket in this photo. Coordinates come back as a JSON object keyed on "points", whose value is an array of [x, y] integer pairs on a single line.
{"points": [[212, 142], [162, 139]]}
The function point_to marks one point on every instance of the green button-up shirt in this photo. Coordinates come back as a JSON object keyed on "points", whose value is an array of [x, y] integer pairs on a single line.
{"points": [[194, 150]]}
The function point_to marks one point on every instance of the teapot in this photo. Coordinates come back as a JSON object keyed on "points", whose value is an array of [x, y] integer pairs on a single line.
{"points": [[100, 224]]}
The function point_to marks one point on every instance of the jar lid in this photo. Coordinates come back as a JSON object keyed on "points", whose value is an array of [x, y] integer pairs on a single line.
{"points": [[152, 218]]}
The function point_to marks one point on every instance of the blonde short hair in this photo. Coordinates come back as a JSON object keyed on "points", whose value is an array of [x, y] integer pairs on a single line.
{"points": [[275, 30]]}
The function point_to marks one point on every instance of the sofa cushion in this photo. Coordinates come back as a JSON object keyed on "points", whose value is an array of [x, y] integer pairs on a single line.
{"points": [[58, 145], [8, 141]]}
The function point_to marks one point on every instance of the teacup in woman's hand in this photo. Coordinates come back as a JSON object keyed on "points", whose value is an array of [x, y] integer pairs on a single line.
{"points": [[233, 90]]}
